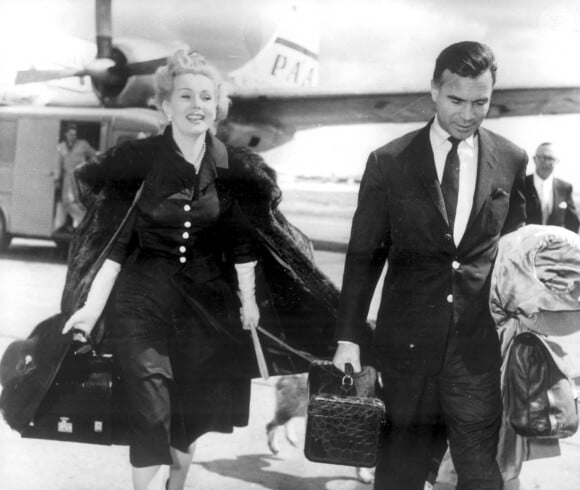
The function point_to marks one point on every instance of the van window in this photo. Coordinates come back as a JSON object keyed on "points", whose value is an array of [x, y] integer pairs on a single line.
{"points": [[8, 131], [89, 131]]}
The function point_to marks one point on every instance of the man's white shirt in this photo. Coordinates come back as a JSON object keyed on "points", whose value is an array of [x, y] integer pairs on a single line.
{"points": [[545, 190], [468, 154]]}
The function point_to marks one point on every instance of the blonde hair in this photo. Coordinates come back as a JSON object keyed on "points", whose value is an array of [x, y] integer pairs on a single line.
{"points": [[189, 61]]}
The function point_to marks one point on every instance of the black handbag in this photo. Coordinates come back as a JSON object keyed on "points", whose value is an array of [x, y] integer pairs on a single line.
{"points": [[344, 418], [79, 405], [542, 401]]}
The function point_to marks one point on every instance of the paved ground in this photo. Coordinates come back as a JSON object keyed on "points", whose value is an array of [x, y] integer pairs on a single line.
{"points": [[227, 462], [31, 279]]}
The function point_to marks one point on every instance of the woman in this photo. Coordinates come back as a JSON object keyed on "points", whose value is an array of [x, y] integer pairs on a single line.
{"points": [[171, 231], [172, 317]]}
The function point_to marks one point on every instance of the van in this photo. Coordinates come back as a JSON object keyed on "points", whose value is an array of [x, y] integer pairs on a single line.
{"points": [[29, 161]]}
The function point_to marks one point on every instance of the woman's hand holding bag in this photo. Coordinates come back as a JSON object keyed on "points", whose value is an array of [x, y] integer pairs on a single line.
{"points": [[83, 321]]}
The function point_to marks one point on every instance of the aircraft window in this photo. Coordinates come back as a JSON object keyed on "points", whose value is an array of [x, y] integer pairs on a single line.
{"points": [[8, 131]]}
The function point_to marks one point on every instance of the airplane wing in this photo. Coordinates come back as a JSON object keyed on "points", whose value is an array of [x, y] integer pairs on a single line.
{"points": [[307, 110], [534, 101]]}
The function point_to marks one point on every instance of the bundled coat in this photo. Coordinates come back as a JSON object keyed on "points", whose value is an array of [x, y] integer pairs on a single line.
{"points": [[535, 288]]}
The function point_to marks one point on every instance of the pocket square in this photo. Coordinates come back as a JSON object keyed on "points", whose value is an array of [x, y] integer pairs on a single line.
{"points": [[563, 205]]}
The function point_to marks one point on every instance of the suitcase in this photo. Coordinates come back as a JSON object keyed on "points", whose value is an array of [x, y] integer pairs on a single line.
{"points": [[78, 406]]}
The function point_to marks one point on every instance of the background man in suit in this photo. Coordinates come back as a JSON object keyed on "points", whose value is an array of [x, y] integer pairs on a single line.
{"points": [[549, 199], [435, 202]]}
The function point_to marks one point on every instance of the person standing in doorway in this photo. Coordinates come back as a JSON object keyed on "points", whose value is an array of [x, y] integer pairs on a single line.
{"points": [[72, 152]]}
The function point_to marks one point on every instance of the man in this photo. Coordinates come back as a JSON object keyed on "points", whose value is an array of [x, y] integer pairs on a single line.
{"points": [[435, 202], [72, 152], [549, 199]]}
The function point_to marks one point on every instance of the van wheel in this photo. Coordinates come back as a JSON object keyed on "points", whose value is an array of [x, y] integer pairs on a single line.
{"points": [[5, 237]]}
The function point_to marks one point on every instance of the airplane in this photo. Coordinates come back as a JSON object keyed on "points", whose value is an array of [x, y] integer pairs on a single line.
{"points": [[273, 66]]}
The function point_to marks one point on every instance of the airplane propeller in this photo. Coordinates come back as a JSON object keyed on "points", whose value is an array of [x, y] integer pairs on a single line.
{"points": [[109, 70]]}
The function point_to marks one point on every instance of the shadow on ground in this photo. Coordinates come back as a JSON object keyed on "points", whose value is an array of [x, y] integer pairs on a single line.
{"points": [[253, 469]]}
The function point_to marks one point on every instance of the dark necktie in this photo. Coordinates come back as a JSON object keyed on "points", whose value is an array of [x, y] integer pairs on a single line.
{"points": [[450, 181]]}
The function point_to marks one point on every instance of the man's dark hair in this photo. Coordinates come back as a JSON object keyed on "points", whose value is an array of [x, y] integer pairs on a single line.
{"points": [[466, 59]]}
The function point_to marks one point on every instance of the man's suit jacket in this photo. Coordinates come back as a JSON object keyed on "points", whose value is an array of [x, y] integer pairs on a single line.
{"points": [[563, 211], [430, 281]]}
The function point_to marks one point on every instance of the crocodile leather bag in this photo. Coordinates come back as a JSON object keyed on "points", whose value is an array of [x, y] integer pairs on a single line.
{"points": [[343, 428]]}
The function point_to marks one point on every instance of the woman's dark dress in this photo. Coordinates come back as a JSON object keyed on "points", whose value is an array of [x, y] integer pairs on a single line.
{"points": [[174, 313]]}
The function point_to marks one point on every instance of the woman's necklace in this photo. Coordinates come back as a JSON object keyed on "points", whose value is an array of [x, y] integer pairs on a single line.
{"points": [[197, 161], [184, 143]]}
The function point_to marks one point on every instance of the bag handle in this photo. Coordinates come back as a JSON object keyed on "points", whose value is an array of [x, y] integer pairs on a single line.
{"points": [[347, 380]]}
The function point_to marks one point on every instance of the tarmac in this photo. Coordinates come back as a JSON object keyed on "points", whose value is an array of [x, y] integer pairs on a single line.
{"points": [[31, 280], [235, 461]]}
